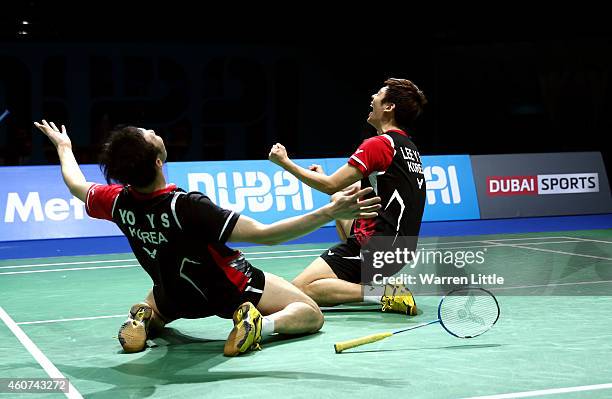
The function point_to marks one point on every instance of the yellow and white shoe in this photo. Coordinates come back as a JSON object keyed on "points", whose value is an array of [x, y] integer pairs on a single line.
{"points": [[397, 298], [246, 333], [133, 333]]}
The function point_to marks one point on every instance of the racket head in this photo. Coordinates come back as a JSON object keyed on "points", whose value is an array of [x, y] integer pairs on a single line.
{"points": [[468, 312]]}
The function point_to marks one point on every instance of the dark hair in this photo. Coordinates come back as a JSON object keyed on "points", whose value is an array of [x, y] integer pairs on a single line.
{"points": [[408, 99], [128, 158]]}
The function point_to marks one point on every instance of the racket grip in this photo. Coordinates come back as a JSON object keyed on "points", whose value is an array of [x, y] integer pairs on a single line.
{"points": [[340, 346]]}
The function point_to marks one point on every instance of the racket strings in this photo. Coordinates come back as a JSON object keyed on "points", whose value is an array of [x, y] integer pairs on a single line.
{"points": [[469, 312]]}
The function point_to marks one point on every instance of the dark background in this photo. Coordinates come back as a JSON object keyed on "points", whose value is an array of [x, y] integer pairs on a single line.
{"points": [[221, 84]]}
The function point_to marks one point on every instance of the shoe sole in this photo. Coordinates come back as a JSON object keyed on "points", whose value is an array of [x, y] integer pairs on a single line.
{"points": [[240, 333], [132, 334]]}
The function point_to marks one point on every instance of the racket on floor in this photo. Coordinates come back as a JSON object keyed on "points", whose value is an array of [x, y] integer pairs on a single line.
{"points": [[464, 312]]}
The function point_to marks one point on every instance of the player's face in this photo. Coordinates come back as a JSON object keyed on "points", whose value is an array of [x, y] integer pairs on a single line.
{"points": [[157, 141], [375, 116]]}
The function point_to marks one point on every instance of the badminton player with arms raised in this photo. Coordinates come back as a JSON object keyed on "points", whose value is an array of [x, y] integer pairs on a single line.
{"points": [[179, 239], [389, 163]]}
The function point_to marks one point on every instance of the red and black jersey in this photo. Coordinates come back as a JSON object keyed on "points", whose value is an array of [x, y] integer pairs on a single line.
{"points": [[391, 164], [179, 239]]}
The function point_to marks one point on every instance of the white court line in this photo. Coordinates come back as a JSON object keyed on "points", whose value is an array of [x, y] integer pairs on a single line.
{"points": [[134, 259], [282, 252], [269, 252], [590, 239], [282, 257], [73, 319], [37, 354], [551, 250], [530, 394], [285, 251], [518, 287], [493, 245], [525, 238], [488, 240], [137, 265], [66, 263], [71, 269]]}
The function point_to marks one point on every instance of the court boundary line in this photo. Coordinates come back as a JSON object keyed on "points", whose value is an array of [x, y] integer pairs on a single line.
{"points": [[496, 245], [492, 244], [37, 354], [543, 392], [488, 240], [550, 250], [134, 259], [66, 263], [135, 265], [518, 287], [279, 251], [590, 240], [21, 323], [291, 250], [70, 269]]}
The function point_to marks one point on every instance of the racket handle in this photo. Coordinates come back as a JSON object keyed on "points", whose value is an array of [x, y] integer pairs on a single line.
{"points": [[340, 346]]}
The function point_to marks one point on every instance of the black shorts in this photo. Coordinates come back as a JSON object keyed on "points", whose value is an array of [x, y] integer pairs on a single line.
{"points": [[353, 263], [222, 298], [345, 260]]}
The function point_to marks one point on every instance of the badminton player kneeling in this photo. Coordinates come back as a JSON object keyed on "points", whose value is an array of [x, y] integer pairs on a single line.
{"points": [[179, 239], [391, 164]]}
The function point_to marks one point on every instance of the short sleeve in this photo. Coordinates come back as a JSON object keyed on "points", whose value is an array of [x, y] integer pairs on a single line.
{"points": [[373, 155], [100, 200], [201, 217]]}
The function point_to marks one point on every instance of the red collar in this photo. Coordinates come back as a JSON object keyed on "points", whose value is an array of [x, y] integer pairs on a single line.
{"points": [[144, 196], [403, 133]]}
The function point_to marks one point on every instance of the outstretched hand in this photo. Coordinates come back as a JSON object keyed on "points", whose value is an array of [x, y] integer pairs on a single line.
{"points": [[57, 137], [347, 205]]}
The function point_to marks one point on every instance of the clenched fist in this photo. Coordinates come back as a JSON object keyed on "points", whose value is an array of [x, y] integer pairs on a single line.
{"points": [[278, 154]]}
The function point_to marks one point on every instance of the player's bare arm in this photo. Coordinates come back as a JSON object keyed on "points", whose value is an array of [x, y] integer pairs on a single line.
{"points": [[343, 226], [345, 206], [71, 172], [342, 178]]}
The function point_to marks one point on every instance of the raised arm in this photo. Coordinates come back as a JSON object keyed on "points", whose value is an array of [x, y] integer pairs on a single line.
{"points": [[73, 177], [346, 206], [342, 178]]}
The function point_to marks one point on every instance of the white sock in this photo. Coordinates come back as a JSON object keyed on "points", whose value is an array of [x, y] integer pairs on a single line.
{"points": [[372, 299], [372, 294], [267, 326]]}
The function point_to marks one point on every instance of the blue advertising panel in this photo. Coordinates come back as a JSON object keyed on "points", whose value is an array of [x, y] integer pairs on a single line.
{"points": [[258, 189], [451, 192], [35, 204]]}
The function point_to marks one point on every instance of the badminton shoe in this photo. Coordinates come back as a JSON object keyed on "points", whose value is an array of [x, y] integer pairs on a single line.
{"points": [[133, 333], [397, 298], [246, 333]]}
